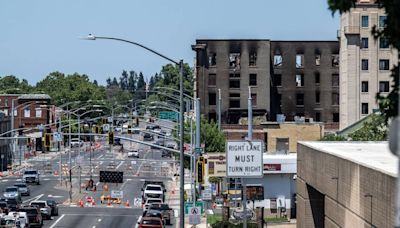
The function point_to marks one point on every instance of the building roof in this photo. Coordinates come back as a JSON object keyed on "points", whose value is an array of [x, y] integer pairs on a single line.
{"points": [[35, 96], [373, 155]]}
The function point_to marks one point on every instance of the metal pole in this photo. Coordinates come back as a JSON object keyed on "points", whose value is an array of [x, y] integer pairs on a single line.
{"points": [[12, 128], [219, 109], [69, 156], [249, 138], [59, 147], [79, 152], [192, 166], [182, 170], [198, 145]]}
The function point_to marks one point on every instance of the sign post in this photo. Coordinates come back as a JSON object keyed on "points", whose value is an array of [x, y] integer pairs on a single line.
{"points": [[194, 215]]}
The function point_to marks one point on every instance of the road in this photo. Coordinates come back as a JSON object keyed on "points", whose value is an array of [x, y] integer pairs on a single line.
{"points": [[149, 166]]}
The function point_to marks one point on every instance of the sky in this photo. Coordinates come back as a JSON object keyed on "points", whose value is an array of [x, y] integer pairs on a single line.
{"points": [[39, 37]]}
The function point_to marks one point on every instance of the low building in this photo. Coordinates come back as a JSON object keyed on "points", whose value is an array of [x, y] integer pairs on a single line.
{"points": [[346, 184], [5, 144], [278, 137], [28, 112]]}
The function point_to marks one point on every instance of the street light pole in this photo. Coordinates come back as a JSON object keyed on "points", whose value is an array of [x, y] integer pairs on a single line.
{"points": [[219, 109], [180, 64]]}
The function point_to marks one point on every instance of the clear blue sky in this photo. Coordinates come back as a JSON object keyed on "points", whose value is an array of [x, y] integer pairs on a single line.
{"points": [[39, 37]]}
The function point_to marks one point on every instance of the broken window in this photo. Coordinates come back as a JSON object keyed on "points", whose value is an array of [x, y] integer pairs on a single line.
{"points": [[299, 61], [317, 78], [317, 97], [335, 117], [254, 99], [299, 80], [318, 59], [335, 60], [335, 80], [234, 103], [335, 98], [234, 60], [212, 59], [234, 84], [278, 79], [277, 60], [300, 99], [212, 98], [212, 79], [253, 80], [234, 75], [253, 59]]}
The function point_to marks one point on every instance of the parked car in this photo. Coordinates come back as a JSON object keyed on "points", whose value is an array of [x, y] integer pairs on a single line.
{"points": [[23, 189], [45, 209], [34, 215], [11, 192], [133, 153], [54, 207], [76, 142], [148, 137], [117, 141], [31, 176], [166, 153]]}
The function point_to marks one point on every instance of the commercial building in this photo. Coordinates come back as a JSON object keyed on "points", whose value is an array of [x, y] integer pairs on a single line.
{"points": [[278, 137], [293, 78], [365, 62], [345, 184], [5, 146], [30, 115]]}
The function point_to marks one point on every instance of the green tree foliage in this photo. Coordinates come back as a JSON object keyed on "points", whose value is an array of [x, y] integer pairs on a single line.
{"points": [[372, 130], [65, 88], [333, 137], [140, 87], [387, 104], [11, 84]]}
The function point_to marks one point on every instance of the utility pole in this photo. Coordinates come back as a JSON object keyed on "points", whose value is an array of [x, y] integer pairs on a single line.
{"points": [[79, 153], [198, 145], [219, 109], [249, 138], [69, 156]]}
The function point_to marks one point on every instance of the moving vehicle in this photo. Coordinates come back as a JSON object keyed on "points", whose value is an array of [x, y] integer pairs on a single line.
{"points": [[151, 222], [165, 210], [8, 221], [150, 201], [31, 176], [54, 207], [21, 217], [13, 204], [34, 215], [166, 153], [3, 207], [153, 191], [110, 165], [135, 130], [45, 209], [148, 137], [76, 142], [133, 153], [11, 192], [23, 189]]}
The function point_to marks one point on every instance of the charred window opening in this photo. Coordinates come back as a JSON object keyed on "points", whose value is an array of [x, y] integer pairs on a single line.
{"points": [[212, 79], [335, 80], [317, 97], [253, 80], [300, 99], [254, 99], [335, 60], [278, 80], [234, 84], [317, 57], [212, 59], [299, 80], [212, 98], [317, 78], [335, 98], [234, 103], [299, 60], [253, 59]]}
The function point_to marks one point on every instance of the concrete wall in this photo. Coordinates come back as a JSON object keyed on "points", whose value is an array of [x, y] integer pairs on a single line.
{"points": [[344, 186]]}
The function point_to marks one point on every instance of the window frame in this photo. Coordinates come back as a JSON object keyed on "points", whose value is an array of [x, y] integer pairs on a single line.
{"points": [[362, 64], [362, 86], [386, 64], [364, 45], [214, 101], [362, 21], [250, 80], [362, 108]]}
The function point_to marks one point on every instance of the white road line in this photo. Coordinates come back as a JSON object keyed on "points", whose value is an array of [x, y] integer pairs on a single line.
{"points": [[59, 219], [120, 165], [97, 184], [100, 156], [34, 198], [99, 220]]}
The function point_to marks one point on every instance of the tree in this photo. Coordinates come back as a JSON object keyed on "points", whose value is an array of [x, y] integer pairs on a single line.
{"points": [[108, 82], [95, 82], [114, 82], [140, 87], [372, 130], [11, 84], [123, 80], [132, 82], [387, 104]]}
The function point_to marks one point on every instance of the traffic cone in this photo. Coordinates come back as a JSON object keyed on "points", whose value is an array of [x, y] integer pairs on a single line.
{"points": [[56, 173], [127, 203], [93, 203], [81, 203], [109, 203]]}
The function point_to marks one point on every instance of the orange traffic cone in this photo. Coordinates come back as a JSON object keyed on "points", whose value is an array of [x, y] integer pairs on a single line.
{"points": [[108, 203], [81, 203], [127, 203], [56, 173], [93, 203]]}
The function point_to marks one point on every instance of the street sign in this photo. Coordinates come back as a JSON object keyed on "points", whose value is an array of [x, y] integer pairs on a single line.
{"points": [[165, 115], [244, 159], [198, 150], [109, 120], [200, 171], [206, 194], [199, 204], [57, 136], [194, 215], [117, 194]]}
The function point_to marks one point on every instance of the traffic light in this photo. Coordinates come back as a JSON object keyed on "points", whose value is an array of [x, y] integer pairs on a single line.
{"points": [[47, 140], [129, 129], [111, 138], [137, 121], [200, 171]]}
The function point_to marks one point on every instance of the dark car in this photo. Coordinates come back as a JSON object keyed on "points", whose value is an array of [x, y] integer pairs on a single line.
{"points": [[164, 209], [13, 204], [34, 215], [148, 137], [117, 142], [4, 207], [54, 207], [153, 214], [166, 153]]}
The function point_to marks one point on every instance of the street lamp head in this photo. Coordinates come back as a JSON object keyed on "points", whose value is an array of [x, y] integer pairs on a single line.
{"points": [[89, 37]]}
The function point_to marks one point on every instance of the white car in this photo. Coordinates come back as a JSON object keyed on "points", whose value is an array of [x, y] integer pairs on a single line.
{"points": [[76, 142], [133, 154], [150, 201], [45, 209], [22, 217]]}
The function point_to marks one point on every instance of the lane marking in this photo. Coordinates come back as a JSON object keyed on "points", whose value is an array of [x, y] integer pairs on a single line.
{"points": [[97, 184], [100, 156], [120, 164], [99, 220], [33, 199], [59, 219]]}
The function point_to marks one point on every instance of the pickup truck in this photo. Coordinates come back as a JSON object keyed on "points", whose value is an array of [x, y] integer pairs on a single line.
{"points": [[154, 191], [31, 176], [150, 201], [165, 210]]}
